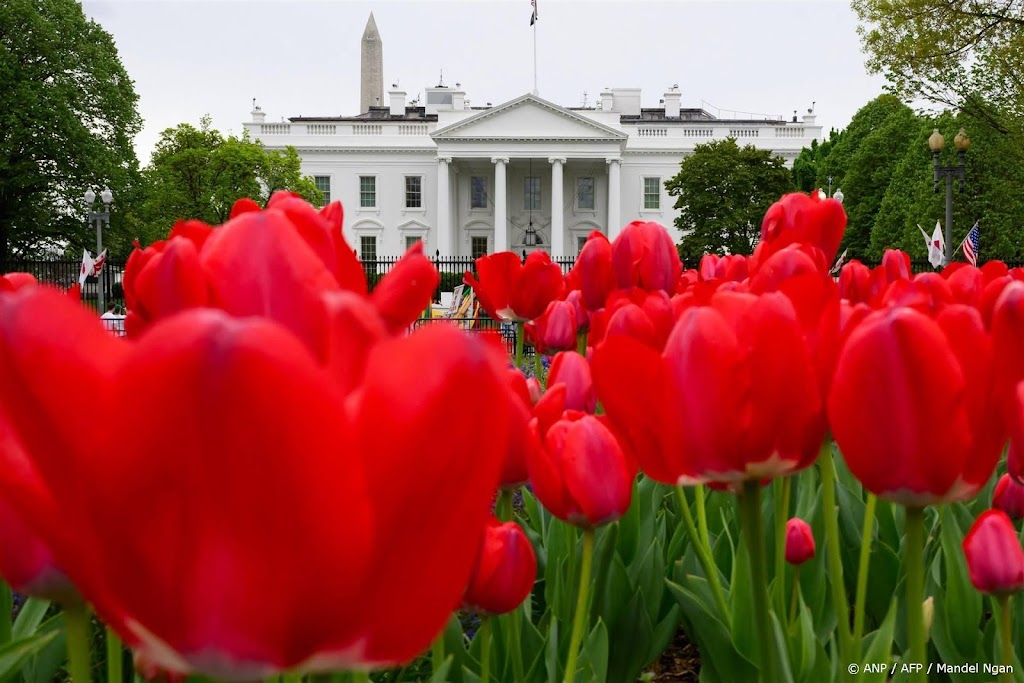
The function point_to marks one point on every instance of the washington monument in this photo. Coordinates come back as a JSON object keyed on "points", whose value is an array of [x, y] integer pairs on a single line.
{"points": [[371, 69]]}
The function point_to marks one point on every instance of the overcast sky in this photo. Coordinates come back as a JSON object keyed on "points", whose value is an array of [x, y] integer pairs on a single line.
{"points": [[301, 57]]}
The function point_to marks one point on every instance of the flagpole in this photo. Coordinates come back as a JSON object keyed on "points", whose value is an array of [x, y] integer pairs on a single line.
{"points": [[535, 91]]}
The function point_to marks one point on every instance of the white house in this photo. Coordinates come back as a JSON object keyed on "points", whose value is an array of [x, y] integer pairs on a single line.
{"points": [[521, 175]]}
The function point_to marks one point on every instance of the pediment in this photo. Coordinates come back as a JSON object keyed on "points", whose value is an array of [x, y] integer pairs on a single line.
{"points": [[528, 118]]}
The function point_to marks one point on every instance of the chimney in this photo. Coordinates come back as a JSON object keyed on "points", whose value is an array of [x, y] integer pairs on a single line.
{"points": [[397, 101], [258, 115], [458, 98], [606, 100], [672, 98]]}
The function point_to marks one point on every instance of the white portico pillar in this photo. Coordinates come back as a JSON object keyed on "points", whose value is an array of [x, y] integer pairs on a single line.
{"points": [[614, 196], [557, 210], [444, 228], [500, 208]]}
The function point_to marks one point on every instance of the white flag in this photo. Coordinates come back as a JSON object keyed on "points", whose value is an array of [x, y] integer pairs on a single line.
{"points": [[839, 263], [937, 247], [87, 266]]}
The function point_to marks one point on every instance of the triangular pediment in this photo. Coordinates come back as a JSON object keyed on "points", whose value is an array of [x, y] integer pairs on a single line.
{"points": [[528, 118]]}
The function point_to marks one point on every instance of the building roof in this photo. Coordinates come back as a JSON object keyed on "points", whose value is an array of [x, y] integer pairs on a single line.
{"points": [[375, 114]]}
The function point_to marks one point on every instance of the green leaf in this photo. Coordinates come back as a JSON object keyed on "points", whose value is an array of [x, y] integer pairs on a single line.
{"points": [[720, 660], [441, 675], [963, 603], [15, 653], [553, 661], [29, 618], [879, 650], [594, 657], [741, 596], [632, 634]]}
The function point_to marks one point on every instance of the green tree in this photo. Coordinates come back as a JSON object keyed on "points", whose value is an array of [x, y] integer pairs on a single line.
{"points": [[810, 159], [67, 123], [198, 173], [965, 54], [723, 192]]}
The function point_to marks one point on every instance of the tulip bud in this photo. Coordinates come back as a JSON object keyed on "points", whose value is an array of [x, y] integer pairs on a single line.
{"points": [[1009, 497], [556, 329], [573, 370], [799, 541], [928, 607], [505, 570], [995, 558]]}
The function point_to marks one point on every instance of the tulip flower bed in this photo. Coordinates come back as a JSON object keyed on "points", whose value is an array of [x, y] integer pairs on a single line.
{"points": [[803, 477]]}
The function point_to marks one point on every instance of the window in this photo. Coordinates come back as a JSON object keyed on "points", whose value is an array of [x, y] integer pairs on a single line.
{"points": [[585, 193], [478, 246], [478, 192], [531, 192], [323, 183], [580, 241], [652, 193], [410, 241], [413, 192], [367, 248], [367, 192]]}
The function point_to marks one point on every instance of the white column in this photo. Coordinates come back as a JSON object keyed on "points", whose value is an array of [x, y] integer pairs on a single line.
{"points": [[500, 208], [614, 197], [557, 208], [444, 228]]}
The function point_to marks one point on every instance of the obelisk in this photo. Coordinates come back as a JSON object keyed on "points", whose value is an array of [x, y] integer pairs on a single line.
{"points": [[371, 69]]}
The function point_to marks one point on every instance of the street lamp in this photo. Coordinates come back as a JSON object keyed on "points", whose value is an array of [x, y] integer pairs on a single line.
{"points": [[936, 143], [838, 196], [99, 218]]}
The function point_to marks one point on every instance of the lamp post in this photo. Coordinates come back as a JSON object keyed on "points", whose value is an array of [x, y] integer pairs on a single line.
{"points": [[99, 218], [838, 196], [936, 143]]}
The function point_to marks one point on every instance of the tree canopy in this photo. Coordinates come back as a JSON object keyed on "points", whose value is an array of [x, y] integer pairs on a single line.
{"points": [[723, 192], [68, 122], [965, 54], [198, 173]]}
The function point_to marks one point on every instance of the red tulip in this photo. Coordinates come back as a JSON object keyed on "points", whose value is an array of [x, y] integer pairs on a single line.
{"points": [[1009, 497], [514, 472], [556, 329], [856, 283], [645, 256], [406, 290], [511, 290], [992, 270], [994, 555], [12, 282], [895, 266], [930, 432], [926, 292], [647, 316], [732, 397], [219, 415], [715, 267], [1014, 461], [799, 541], [575, 299], [593, 271], [1008, 340], [579, 471], [572, 370], [798, 218], [505, 570]]}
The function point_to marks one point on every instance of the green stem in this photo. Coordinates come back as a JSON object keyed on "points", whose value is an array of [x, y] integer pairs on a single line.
{"points": [[915, 589], [1005, 639], [503, 510], [702, 516], [538, 369], [750, 515], [835, 561], [514, 625], [581, 343], [796, 594], [707, 563], [6, 607], [291, 677], [580, 621], [76, 626], [437, 653], [862, 575], [115, 658], [781, 500], [520, 333], [360, 677], [485, 649]]}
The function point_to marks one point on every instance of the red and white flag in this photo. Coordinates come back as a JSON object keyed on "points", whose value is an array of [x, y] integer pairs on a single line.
{"points": [[97, 266]]}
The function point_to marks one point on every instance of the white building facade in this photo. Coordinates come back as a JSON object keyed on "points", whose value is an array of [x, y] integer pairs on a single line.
{"points": [[527, 174]]}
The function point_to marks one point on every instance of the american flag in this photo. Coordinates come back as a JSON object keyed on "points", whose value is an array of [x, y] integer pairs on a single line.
{"points": [[533, 17], [970, 245]]}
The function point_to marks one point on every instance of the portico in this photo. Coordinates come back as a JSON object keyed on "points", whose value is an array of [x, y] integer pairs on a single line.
{"points": [[557, 180]]}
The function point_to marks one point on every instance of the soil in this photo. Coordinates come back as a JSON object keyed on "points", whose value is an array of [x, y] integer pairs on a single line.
{"points": [[679, 662]]}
